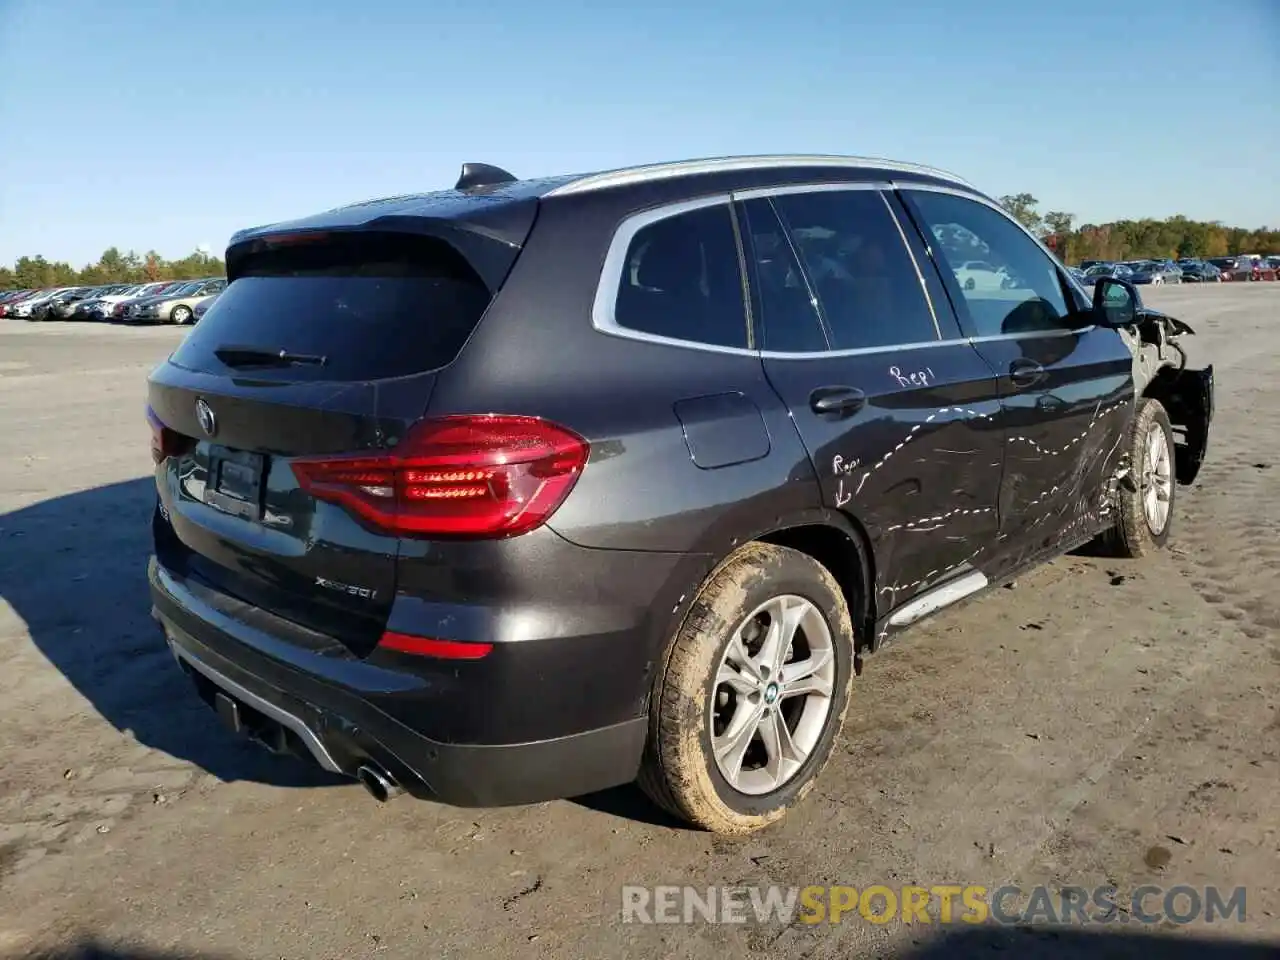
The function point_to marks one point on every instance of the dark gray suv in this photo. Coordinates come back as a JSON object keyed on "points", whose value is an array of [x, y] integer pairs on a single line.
{"points": [[527, 489]]}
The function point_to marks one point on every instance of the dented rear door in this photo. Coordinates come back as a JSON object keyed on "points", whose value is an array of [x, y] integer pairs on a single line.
{"points": [[898, 413]]}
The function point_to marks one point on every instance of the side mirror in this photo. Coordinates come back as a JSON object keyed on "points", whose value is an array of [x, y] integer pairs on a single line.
{"points": [[1116, 302]]}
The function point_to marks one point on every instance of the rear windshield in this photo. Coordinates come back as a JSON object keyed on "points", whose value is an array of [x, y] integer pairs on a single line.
{"points": [[373, 305]]}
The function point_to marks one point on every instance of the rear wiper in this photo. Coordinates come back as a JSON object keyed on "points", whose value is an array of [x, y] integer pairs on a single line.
{"points": [[234, 356]]}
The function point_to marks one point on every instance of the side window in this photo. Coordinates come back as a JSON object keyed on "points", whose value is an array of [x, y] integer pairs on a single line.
{"points": [[781, 296], [681, 279], [859, 268], [1017, 290]]}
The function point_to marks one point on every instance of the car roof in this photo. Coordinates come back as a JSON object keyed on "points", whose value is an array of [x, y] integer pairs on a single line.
{"points": [[483, 203], [489, 214]]}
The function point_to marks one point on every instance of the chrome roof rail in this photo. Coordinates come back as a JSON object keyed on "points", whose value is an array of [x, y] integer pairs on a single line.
{"points": [[647, 173]]}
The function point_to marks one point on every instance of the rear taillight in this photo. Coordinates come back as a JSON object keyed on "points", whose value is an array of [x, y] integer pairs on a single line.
{"points": [[166, 442], [464, 476]]}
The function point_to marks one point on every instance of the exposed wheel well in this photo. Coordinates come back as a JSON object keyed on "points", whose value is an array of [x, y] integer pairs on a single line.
{"points": [[1187, 398], [848, 561]]}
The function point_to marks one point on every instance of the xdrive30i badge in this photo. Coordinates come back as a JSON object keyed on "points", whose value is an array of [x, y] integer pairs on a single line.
{"points": [[364, 592]]}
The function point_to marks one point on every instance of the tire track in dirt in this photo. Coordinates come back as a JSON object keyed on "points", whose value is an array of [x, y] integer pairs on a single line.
{"points": [[1226, 541]]}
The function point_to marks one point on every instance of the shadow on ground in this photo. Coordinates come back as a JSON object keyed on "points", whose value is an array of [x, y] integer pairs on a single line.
{"points": [[74, 569], [93, 950], [1059, 943], [984, 942], [628, 802]]}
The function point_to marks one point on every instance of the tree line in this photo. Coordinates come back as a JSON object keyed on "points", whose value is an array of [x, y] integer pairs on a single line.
{"points": [[112, 267], [1120, 240], [1173, 238]]}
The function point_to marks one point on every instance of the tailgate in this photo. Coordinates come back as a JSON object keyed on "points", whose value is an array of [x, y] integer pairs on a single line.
{"points": [[364, 321]]}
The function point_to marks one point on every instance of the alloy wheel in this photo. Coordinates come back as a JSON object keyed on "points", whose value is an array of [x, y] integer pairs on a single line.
{"points": [[773, 694], [1157, 480]]}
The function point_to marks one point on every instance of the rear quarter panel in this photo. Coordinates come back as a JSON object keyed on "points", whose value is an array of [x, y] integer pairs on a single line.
{"points": [[537, 353]]}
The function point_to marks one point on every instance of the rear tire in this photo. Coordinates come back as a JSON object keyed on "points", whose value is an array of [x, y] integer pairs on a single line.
{"points": [[181, 315], [798, 704], [1146, 513]]}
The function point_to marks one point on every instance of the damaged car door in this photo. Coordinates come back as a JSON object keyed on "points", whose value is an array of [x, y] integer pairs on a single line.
{"points": [[896, 410], [1065, 383]]}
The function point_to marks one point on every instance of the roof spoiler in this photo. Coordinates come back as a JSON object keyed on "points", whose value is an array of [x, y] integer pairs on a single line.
{"points": [[482, 175]]}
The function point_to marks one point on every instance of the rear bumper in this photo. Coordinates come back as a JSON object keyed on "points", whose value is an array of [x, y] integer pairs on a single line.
{"points": [[347, 712]]}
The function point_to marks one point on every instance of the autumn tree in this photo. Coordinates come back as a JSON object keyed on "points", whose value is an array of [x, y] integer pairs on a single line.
{"points": [[1023, 207], [1057, 226]]}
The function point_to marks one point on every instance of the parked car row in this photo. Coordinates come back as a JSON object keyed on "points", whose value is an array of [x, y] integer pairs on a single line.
{"points": [[1247, 268], [1186, 270], [162, 301]]}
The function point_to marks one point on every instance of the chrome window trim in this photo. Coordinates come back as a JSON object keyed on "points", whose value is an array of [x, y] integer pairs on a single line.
{"points": [[822, 186], [996, 337], [602, 310], [860, 351], [615, 262], [629, 176], [979, 198]]}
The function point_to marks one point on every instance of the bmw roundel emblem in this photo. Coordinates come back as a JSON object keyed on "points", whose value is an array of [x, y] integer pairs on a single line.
{"points": [[204, 413]]}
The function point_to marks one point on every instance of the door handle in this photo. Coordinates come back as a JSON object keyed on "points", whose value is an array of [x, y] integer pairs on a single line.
{"points": [[1026, 372], [837, 401]]}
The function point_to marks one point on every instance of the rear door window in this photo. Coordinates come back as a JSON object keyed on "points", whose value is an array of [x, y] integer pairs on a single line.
{"points": [[374, 306], [784, 305], [859, 268], [682, 280]]}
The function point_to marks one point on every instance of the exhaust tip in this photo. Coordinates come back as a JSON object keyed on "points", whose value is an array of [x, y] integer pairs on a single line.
{"points": [[378, 783]]}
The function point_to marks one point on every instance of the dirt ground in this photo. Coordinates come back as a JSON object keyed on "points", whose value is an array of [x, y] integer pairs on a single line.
{"points": [[1103, 721]]}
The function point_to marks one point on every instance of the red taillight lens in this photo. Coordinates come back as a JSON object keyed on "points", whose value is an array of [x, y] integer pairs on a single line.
{"points": [[465, 476], [166, 442], [431, 647]]}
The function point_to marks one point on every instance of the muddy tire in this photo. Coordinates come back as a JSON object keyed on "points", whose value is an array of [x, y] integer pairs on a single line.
{"points": [[1146, 505], [729, 679]]}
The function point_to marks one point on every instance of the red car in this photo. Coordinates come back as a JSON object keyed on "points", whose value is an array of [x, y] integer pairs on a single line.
{"points": [[1254, 268], [9, 298]]}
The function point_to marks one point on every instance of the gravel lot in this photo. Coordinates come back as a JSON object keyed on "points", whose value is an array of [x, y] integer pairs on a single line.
{"points": [[1104, 721]]}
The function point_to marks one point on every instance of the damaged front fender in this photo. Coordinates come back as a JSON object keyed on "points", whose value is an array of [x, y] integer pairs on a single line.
{"points": [[1160, 372], [1188, 396]]}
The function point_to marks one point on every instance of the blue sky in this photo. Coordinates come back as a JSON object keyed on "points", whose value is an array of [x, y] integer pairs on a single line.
{"points": [[172, 123]]}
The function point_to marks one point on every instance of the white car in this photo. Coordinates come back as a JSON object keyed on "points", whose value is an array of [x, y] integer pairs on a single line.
{"points": [[979, 275], [136, 293], [109, 311], [24, 307]]}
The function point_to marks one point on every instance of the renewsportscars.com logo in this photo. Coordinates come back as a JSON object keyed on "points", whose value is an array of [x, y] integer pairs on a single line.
{"points": [[943, 904]]}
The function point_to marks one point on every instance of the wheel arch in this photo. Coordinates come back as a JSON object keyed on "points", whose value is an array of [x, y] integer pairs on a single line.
{"points": [[1187, 397], [837, 541], [841, 545]]}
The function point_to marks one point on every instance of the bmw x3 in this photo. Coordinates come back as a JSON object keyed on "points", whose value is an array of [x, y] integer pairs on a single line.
{"points": [[529, 488]]}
